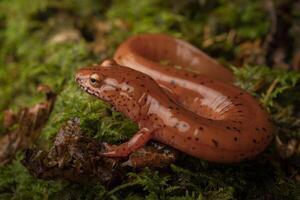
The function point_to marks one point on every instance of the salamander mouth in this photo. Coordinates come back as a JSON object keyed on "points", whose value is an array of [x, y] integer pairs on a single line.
{"points": [[90, 90], [86, 88]]}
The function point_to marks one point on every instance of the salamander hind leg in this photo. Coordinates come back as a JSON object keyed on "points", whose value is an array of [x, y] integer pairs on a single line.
{"points": [[137, 141]]}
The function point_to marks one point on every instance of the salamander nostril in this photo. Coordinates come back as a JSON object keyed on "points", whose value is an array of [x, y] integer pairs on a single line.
{"points": [[78, 77]]}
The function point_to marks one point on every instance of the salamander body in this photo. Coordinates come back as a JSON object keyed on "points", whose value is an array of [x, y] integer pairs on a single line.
{"points": [[192, 107]]}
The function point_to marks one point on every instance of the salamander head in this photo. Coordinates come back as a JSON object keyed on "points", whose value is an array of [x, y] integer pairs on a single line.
{"points": [[120, 86], [114, 84], [100, 80]]}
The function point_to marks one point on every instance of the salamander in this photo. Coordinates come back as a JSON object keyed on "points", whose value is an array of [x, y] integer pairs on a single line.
{"points": [[193, 107]]}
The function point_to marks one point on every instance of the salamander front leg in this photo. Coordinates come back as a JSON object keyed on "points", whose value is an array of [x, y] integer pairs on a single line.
{"points": [[137, 141]]}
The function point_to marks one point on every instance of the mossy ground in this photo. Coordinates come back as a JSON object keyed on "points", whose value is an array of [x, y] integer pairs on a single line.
{"points": [[28, 58]]}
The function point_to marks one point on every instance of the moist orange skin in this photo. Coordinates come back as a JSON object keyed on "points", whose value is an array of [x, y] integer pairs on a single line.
{"points": [[197, 111]]}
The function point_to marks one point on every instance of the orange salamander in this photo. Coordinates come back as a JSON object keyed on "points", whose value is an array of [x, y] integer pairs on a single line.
{"points": [[192, 107]]}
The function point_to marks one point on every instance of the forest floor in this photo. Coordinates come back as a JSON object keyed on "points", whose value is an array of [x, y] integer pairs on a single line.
{"points": [[44, 42]]}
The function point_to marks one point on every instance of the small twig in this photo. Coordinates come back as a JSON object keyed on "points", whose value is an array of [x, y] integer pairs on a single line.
{"points": [[270, 90]]}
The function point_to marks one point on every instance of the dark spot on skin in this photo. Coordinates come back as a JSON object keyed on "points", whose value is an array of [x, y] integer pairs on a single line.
{"points": [[242, 154], [235, 138], [170, 107], [201, 128], [195, 75], [189, 138], [156, 118], [197, 139], [142, 85], [172, 82], [240, 111], [228, 127], [239, 104], [215, 142], [202, 83], [257, 129], [264, 129], [254, 141], [173, 137], [236, 97], [241, 93], [193, 148], [186, 74]]}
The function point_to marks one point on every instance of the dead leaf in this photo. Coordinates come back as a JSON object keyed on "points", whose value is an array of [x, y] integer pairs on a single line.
{"points": [[24, 127]]}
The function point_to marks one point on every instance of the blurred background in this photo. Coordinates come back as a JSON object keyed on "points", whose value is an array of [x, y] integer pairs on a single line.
{"points": [[44, 42], [234, 32]]}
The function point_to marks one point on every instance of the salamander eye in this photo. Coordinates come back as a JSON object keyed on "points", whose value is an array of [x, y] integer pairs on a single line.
{"points": [[95, 80]]}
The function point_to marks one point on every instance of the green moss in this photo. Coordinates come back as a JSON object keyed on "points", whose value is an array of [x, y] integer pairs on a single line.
{"points": [[278, 92], [16, 183], [97, 118]]}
